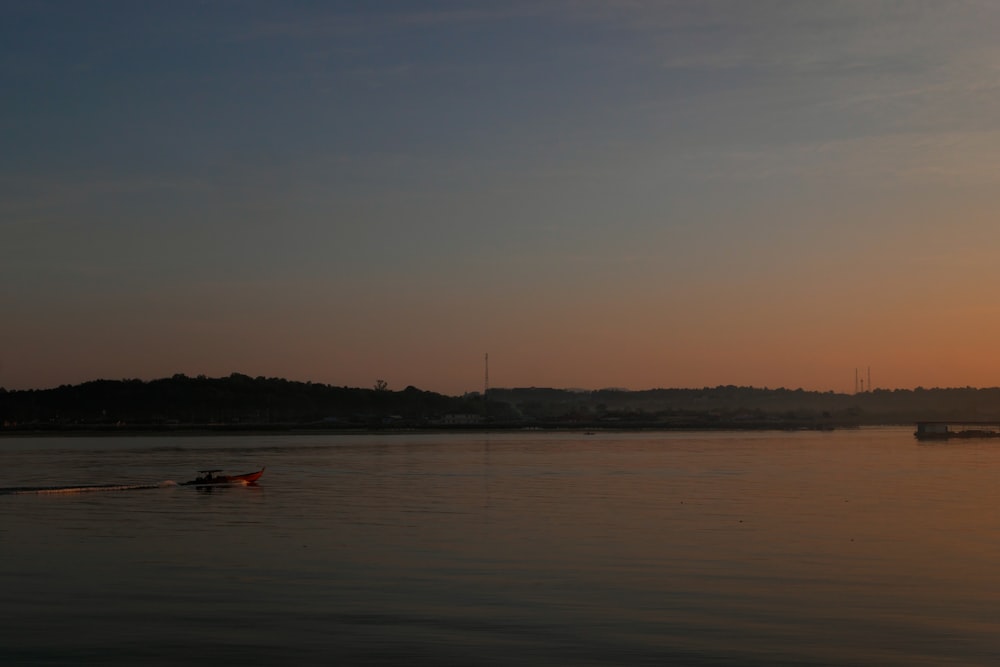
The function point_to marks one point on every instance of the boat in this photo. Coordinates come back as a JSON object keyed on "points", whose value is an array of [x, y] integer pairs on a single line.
{"points": [[210, 478], [939, 430]]}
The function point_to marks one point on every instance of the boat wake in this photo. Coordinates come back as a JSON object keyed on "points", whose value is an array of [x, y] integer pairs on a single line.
{"points": [[90, 488]]}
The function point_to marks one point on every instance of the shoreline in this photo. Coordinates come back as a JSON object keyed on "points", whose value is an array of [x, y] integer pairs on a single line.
{"points": [[198, 430]]}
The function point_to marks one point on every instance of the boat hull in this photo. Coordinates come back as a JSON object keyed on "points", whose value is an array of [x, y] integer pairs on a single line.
{"points": [[247, 478]]}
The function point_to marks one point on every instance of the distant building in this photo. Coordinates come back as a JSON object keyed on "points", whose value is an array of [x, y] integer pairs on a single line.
{"points": [[460, 419]]}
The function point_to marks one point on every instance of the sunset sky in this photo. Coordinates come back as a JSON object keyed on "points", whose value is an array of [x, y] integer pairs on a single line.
{"points": [[597, 193]]}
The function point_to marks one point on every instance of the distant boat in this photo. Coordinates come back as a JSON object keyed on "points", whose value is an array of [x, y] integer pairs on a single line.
{"points": [[938, 430], [209, 478]]}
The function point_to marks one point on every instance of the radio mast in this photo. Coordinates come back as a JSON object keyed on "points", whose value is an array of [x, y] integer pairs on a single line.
{"points": [[486, 385], [860, 382]]}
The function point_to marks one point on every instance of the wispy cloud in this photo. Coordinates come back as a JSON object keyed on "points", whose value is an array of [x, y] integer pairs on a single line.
{"points": [[914, 159], [375, 19]]}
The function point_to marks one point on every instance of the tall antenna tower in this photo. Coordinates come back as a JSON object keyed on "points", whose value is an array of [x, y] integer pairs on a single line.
{"points": [[486, 385], [860, 382]]}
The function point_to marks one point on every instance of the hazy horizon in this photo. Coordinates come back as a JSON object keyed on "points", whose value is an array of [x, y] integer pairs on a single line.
{"points": [[596, 193]]}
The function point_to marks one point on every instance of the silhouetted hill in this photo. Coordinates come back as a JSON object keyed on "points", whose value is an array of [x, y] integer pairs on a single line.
{"points": [[234, 400], [239, 401]]}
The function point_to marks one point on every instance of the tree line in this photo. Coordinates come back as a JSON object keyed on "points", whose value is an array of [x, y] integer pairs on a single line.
{"points": [[240, 401]]}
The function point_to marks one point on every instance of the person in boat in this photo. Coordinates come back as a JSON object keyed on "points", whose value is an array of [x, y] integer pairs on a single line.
{"points": [[206, 478]]}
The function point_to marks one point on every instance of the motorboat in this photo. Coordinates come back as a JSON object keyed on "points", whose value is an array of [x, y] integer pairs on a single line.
{"points": [[210, 478]]}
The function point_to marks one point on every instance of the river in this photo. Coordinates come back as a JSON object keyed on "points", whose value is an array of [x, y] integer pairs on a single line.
{"points": [[853, 547]]}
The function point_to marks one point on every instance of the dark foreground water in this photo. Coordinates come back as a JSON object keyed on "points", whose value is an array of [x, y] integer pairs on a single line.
{"points": [[845, 548]]}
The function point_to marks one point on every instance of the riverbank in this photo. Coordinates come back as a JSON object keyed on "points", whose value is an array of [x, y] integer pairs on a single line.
{"points": [[313, 429]]}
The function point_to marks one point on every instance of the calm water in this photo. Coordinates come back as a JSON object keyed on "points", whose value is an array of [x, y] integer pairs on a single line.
{"points": [[852, 547]]}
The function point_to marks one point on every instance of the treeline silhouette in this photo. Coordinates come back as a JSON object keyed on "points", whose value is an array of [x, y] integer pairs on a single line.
{"points": [[234, 400], [241, 402]]}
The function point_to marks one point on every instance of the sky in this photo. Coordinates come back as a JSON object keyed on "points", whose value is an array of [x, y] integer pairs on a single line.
{"points": [[596, 193]]}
